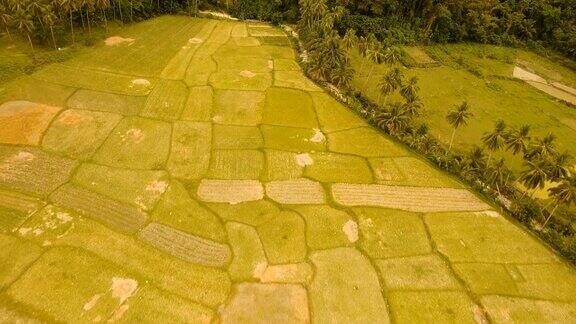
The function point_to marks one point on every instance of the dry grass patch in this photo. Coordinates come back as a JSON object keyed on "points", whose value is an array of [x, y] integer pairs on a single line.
{"points": [[233, 107], [199, 104], [166, 101], [236, 164]]}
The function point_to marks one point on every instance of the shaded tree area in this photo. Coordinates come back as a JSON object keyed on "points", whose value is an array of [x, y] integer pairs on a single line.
{"points": [[506, 22]]}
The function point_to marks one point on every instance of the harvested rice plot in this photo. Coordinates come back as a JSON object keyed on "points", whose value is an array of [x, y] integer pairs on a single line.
{"points": [[417, 199], [185, 246], [32, 171]]}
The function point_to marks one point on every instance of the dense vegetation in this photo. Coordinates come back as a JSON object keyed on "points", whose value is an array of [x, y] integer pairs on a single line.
{"points": [[551, 22]]}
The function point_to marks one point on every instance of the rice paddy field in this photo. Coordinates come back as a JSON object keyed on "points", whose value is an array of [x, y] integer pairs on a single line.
{"points": [[483, 75], [187, 171]]}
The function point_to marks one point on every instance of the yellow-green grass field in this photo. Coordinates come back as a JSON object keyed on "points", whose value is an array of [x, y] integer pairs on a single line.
{"points": [[192, 174], [482, 76]]}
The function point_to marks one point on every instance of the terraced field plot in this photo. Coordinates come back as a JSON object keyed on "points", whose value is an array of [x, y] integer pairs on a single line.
{"points": [[208, 180]]}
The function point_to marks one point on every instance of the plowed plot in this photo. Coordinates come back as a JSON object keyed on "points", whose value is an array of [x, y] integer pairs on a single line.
{"points": [[196, 175], [23, 122], [33, 171]]}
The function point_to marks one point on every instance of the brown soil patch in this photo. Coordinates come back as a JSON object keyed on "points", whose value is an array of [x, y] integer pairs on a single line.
{"points": [[350, 228], [141, 83], [23, 122], [135, 135], [195, 40], [564, 88], [554, 92], [304, 159], [117, 40]]}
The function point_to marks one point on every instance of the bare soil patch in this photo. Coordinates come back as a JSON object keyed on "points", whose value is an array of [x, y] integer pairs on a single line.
{"points": [[23, 122], [117, 40]]}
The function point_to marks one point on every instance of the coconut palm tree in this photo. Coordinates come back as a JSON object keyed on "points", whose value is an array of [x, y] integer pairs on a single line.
{"points": [[498, 175], [24, 23], [563, 194], [458, 117], [373, 54], [476, 160], [410, 89], [393, 118], [533, 176], [342, 75], [392, 54], [495, 140], [70, 6], [517, 139], [542, 148], [558, 166], [7, 17], [349, 39], [49, 18], [389, 83], [413, 106], [103, 5]]}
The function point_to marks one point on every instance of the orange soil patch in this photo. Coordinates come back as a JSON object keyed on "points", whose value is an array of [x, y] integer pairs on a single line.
{"points": [[23, 122]]}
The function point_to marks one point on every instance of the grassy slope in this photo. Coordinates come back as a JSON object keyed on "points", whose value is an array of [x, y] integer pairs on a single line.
{"points": [[490, 91]]}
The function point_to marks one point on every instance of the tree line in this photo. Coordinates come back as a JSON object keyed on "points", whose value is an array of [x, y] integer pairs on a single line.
{"points": [[507, 22], [50, 21]]}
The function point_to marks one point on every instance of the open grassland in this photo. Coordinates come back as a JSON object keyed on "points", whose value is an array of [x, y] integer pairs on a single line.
{"points": [[482, 75], [189, 172]]}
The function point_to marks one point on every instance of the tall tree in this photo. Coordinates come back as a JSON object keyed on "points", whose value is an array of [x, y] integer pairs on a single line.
{"points": [[70, 6], [458, 117], [563, 194], [410, 90], [495, 139], [349, 39], [533, 176], [49, 18], [393, 118], [24, 23], [374, 55], [7, 17], [518, 139]]}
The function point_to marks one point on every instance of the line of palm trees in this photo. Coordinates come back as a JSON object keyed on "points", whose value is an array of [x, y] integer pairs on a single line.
{"points": [[41, 17], [542, 162]]}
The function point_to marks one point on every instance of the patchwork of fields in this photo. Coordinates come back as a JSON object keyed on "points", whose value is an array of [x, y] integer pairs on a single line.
{"points": [[482, 75], [194, 174]]}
